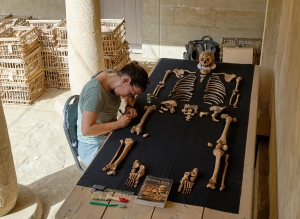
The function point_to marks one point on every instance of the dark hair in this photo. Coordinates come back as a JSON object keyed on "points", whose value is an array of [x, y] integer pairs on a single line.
{"points": [[137, 73]]}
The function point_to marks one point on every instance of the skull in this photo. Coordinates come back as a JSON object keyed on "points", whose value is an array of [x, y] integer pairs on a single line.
{"points": [[206, 61]]}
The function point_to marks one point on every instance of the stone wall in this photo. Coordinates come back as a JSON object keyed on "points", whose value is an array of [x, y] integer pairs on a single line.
{"points": [[284, 75], [169, 24], [54, 9]]}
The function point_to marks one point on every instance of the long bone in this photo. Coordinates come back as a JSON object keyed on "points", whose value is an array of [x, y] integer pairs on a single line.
{"points": [[113, 159], [216, 110], [159, 88], [224, 173], [236, 101], [155, 90], [232, 95], [228, 119], [138, 127], [237, 83], [128, 144], [181, 90], [218, 153], [165, 77], [227, 77]]}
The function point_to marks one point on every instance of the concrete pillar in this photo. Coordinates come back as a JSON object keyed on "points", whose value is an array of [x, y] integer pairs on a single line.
{"points": [[8, 177], [85, 49]]}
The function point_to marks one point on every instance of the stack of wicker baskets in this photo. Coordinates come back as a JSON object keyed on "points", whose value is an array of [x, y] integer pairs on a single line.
{"points": [[47, 40], [61, 53], [115, 47], [21, 66]]}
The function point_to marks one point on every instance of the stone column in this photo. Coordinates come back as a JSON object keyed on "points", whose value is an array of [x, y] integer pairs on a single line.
{"points": [[85, 49], [8, 177]]}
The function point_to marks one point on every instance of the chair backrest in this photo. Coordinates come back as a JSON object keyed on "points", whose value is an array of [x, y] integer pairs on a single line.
{"points": [[70, 126]]}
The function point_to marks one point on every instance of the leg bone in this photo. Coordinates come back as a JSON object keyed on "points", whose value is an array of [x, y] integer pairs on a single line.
{"points": [[224, 172], [213, 181], [138, 127]]}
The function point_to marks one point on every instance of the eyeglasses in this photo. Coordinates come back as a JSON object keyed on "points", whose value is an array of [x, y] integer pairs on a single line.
{"points": [[131, 92]]}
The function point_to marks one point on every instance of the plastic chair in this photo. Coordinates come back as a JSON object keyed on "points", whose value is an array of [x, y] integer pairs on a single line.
{"points": [[70, 127]]}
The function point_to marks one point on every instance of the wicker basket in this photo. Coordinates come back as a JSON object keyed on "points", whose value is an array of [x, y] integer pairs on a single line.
{"points": [[47, 31], [61, 34], [51, 77], [23, 93], [21, 70], [255, 43], [48, 57], [18, 42], [61, 54], [63, 80]]}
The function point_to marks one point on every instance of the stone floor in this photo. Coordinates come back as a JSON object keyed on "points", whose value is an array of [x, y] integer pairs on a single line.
{"points": [[42, 158]]}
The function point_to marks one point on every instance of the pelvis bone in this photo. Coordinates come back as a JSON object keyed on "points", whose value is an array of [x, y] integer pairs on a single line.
{"points": [[170, 104]]}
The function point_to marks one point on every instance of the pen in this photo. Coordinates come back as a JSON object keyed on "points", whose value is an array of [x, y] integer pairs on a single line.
{"points": [[121, 111], [107, 205]]}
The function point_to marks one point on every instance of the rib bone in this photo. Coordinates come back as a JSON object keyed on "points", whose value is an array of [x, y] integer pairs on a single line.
{"points": [[138, 127]]}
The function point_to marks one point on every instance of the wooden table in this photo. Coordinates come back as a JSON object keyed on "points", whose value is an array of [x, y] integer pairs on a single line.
{"points": [[77, 203]]}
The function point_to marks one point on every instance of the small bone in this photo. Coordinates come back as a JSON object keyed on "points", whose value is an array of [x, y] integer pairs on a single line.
{"points": [[228, 119], [224, 173], [189, 184], [160, 111], [203, 113], [209, 144], [213, 181], [237, 83], [232, 95], [236, 101], [138, 127], [184, 179], [216, 110], [163, 108], [116, 154], [227, 77], [145, 135], [138, 175]]}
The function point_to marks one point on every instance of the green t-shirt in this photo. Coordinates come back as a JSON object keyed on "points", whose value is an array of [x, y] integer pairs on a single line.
{"points": [[95, 98]]}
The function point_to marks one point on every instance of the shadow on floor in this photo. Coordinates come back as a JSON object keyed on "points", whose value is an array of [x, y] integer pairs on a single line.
{"points": [[55, 188]]}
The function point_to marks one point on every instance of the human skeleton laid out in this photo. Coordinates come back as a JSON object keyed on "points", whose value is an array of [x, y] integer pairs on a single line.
{"points": [[187, 181], [218, 152], [138, 128], [134, 176], [113, 164]]}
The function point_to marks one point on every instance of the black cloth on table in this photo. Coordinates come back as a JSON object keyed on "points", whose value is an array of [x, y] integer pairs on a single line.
{"points": [[175, 146]]}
